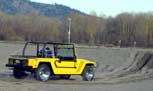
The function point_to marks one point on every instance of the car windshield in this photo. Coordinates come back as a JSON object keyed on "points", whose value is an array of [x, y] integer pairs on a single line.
{"points": [[65, 51], [30, 50]]}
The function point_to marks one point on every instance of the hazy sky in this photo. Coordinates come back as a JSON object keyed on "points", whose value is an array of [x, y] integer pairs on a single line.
{"points": [[107, 7]]}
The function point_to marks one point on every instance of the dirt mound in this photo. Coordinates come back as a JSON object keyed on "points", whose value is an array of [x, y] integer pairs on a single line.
{"points": [[140, 64]]}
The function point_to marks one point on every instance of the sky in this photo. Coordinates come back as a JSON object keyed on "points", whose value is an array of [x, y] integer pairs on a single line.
{"points": [[105, 7]]}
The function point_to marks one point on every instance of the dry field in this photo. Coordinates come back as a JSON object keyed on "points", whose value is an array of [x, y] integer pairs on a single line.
{"points": [[112, 74]]}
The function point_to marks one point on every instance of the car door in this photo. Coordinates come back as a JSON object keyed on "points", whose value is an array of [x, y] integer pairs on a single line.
{"points": [[66, 55]]}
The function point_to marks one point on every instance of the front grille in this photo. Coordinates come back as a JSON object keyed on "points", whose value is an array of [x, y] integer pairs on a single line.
{"points": [[11, 61], [18, 61]]}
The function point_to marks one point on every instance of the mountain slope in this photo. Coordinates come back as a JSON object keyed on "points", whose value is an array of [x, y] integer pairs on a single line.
{"points": [[26, 7]]}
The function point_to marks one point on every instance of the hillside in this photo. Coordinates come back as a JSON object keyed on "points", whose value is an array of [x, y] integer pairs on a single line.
{"points": [[28, 7]]}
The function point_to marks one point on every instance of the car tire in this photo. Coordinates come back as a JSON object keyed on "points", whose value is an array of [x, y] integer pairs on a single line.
{"points": [[18, 73], [88, 73], [43, 72], [66, 77]]}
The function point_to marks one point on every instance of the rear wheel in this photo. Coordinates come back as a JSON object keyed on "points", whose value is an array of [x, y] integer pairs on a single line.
{"points": [[65, 77], [88, 73], [18, 73], [43, 72]]}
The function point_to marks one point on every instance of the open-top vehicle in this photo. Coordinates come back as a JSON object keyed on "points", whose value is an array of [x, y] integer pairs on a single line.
{"points": [[47, 59]]}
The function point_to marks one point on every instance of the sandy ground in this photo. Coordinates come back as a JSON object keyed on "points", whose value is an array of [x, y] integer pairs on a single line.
{"points": [[108, 59]]}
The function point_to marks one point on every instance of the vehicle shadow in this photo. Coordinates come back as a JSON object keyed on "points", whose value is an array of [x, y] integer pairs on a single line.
{"points": [[6, 75], [30, 76]]}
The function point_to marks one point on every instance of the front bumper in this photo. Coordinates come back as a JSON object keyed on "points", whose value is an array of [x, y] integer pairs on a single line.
{"points": [[10, 65], [21, 67]]}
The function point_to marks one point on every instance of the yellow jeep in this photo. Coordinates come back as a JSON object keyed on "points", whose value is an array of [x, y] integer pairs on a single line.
{"points": [[50, 59]]}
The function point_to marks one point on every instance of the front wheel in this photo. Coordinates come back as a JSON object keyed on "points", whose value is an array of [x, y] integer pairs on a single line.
{"points": [[43, 72], [88, 73], [18, 73]]}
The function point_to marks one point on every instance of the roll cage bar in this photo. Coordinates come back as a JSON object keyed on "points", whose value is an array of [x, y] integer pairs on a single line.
{"points": [[37, 43]]}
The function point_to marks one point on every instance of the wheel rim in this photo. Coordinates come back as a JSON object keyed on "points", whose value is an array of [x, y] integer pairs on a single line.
{"points": [[89, 76], [44, 74]]}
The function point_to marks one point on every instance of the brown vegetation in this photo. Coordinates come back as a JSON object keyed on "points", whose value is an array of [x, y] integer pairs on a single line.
{"points": [[125, 29]]}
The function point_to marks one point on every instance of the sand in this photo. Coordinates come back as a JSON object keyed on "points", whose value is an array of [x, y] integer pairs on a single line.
{"points": [[112, 74]]}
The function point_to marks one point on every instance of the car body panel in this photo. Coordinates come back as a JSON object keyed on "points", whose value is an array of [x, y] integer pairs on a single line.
{"points": [[62, 67]]}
